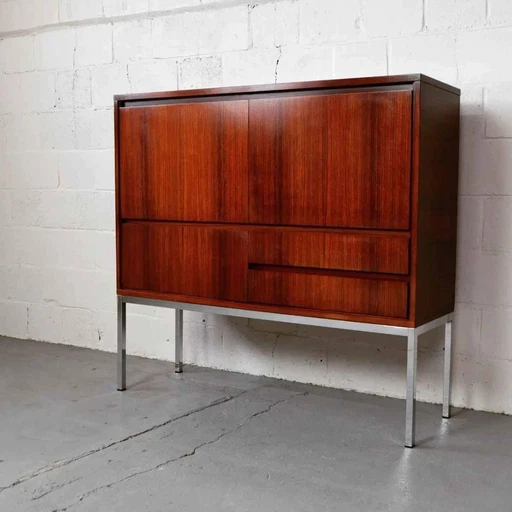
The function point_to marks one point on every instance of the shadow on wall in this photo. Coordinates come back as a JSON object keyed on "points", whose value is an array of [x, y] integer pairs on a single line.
{"points": [[328, 357], [484, 264]]}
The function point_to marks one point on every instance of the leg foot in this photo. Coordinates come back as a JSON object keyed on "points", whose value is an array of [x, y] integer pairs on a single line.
{"points": [[121, 344], [178, 342], [447, 368], [410, 403]]}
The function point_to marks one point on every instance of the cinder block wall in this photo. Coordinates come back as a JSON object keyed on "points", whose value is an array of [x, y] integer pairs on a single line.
{"points": [[62, 60]]}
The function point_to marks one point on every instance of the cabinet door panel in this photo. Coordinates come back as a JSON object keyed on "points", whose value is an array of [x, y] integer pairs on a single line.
{"points": [[331, 160], [186, 260], [340, 294], [286, 154], [184, 162]]}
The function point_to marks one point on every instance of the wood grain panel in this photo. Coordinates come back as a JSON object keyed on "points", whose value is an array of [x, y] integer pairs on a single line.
{"points": [[369, 159], [133, 265], [131, 163], [343, 294], [287, 139], [331, 160], [185, 162], [195, 261], [437, 182], [379, 253]]}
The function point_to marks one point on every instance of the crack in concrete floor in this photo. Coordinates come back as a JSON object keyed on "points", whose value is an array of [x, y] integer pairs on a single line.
{"points": [[55, 487], [181, 457], [64, 462]]}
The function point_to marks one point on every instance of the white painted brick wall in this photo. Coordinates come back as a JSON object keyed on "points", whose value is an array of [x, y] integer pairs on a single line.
{"points": [[93, 45], [253, 66], [499, 110], [442, 15], [9, 15], [361, 59], [107, 81], [132, 41], [482, 55], [393, 17], [94, 129], [72, 10], [201, 32], [54, 49], [161, 75], [17, 54], [305, 63], [57, 244], [29, 170], [74, 89], [430, 54], [39, 12], [323, 21], [56, 130], [274, 24], [124, 7], [196, 72], [500, 12]]}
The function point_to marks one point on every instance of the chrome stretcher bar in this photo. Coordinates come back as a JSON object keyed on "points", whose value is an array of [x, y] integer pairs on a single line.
{"points": [[411, 333]]}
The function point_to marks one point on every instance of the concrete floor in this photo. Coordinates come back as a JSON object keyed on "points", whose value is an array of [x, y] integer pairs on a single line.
{"points": [[217, 441]]}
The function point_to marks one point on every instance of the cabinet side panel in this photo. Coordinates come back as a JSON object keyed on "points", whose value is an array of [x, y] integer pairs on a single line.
{"points": [[437, 203]]}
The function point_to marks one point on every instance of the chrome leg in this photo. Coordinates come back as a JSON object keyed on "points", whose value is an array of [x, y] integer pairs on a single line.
{"points": [[178, 341], [410, 402], [121, 344], [447, 368]]}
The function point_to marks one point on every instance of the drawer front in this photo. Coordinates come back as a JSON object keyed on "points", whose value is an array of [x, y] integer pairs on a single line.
{"points": [[185, 260], [336, 160], [387, 298], [366, 253]]}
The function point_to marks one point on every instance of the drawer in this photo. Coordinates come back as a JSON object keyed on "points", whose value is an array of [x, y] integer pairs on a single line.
{"points": [[186, 260], [379, 297], [326, 250]]}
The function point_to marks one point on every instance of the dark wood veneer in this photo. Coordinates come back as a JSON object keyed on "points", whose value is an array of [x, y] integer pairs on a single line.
{"points": [[332, 293], [185, 162], [332, 160], [437, 175], [187, 260], [335, 199], [356, 252]]}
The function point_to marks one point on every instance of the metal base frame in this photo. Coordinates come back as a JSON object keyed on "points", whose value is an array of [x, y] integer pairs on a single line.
{"points": [[411, 333]]}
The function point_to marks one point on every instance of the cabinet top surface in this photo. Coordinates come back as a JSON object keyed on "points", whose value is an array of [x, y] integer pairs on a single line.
{"points": [[292, 86]]}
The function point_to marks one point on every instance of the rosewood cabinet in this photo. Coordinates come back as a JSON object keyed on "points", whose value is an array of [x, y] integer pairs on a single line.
{"points": [[333, 202]]}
